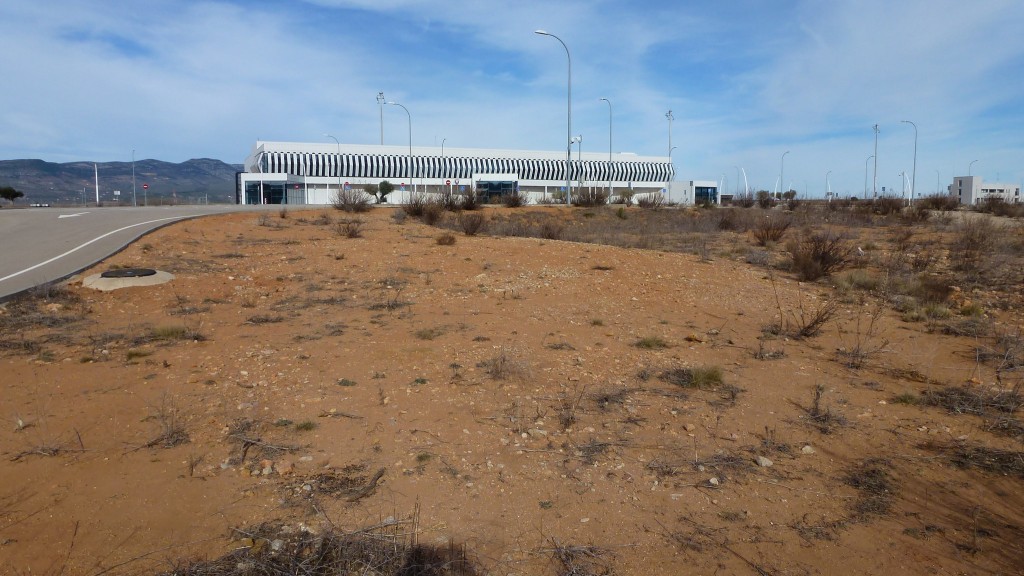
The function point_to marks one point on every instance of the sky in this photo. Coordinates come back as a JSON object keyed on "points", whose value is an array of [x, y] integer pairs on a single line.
{"points": [[746, 80]]}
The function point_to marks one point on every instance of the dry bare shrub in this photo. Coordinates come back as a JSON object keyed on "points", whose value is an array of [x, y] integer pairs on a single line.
{"points": [[513, 199], [432, 213], [973, 245], [941, 202], [415, 206], [965, 455], [745, 200], [822, 417], [654, 201], [390, 548], [446, 239], [352, 228], [170, 423], [506, 365], [581, 560], [470, 201], [818, 254], [875, 486], [351, 200], [590, 197], [450, 202], [551, 229], [867, 339], [975, 400], [472, 224]]}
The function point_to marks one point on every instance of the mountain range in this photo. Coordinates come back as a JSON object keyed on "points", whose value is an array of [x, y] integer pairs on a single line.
{"points": [[196, 180]]}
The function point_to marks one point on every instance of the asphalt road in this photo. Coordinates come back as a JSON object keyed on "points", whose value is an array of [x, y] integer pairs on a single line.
{"points": [[41, 245]]}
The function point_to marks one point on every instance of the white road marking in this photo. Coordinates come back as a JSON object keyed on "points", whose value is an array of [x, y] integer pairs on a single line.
{"points": [[70, 215], [77, 248]]}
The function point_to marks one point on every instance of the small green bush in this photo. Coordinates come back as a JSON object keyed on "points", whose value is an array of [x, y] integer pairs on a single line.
{"points": [[651, 343]]}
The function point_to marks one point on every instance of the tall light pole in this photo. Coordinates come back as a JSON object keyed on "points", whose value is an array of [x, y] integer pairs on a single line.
{"points": [[609, 102], [938, 182], [828, 186], [913, 178], [411, 181], [669, 181], [443, 171], [568, 129], [670, 119], [746, 185], [782, 171], [380, 103], [874, 179], [578, 141], [134, 201], [339, 161], [970, 167], [866, 175]]}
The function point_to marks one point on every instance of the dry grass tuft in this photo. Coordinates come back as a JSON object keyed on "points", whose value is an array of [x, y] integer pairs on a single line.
{"points": [[875, 486], [390, 548]]}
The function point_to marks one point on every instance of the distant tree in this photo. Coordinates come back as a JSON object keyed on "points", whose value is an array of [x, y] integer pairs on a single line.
{"points": [[383, 189], [371, 189], [8, 193], [789, 194], [764, 199]]}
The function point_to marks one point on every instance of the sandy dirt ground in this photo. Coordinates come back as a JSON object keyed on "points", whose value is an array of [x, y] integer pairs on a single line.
{"points": [[516, 395]]}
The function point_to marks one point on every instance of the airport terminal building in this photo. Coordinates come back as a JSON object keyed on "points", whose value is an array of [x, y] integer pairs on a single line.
{"points": [[312, 173]]}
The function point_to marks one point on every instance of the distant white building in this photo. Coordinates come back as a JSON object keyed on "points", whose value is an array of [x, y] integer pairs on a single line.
{"points": [[691, 192], [312, 173], [971, 190]]}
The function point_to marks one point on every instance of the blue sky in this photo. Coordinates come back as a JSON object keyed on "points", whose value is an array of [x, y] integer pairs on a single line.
{"points": [[746, 80]]}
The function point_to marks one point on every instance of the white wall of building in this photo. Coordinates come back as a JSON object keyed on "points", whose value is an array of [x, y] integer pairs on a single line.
{"points": [[970, 190]]}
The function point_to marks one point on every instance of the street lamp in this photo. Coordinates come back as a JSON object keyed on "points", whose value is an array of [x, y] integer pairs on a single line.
{"points": [[828, 186], [669, 181], [874, 178], [782, 171], [609, 102], [913, 179], [339, 162], [568, 130], [443, 171], [866, 175], [970, 166], [579, 162], [411, 181], [380, 102], [134, 201], [670, 119]]}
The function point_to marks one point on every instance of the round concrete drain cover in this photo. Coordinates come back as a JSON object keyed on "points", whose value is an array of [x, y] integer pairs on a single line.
{"points": [[128, 273]]}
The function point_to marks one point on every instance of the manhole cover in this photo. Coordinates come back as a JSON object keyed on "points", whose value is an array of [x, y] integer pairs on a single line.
{"points": [[128, 273]]}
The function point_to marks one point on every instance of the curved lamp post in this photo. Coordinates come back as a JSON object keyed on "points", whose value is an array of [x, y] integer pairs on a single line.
{"points": [[913, 178], [782, 172], [970, 166], [609, 102], [568, 130], [339, 161], [828, 186], [411, 181]]}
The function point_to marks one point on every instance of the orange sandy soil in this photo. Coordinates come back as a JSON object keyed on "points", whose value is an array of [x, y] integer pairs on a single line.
{"points": [[498, 385]]}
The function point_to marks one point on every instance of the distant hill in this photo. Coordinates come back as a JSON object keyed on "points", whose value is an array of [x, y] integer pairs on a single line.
{"points": [[191, 181]]}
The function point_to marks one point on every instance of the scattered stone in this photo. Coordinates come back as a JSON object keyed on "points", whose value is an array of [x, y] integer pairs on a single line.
{"points": [[807, 449], [714, 481], [764, 462]]}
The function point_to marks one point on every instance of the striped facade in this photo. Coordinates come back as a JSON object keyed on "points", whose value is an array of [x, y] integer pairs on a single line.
{"points": [[329, 166]]}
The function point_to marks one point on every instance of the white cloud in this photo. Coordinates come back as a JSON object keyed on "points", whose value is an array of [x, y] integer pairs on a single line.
{"points": [[745, 81]]}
